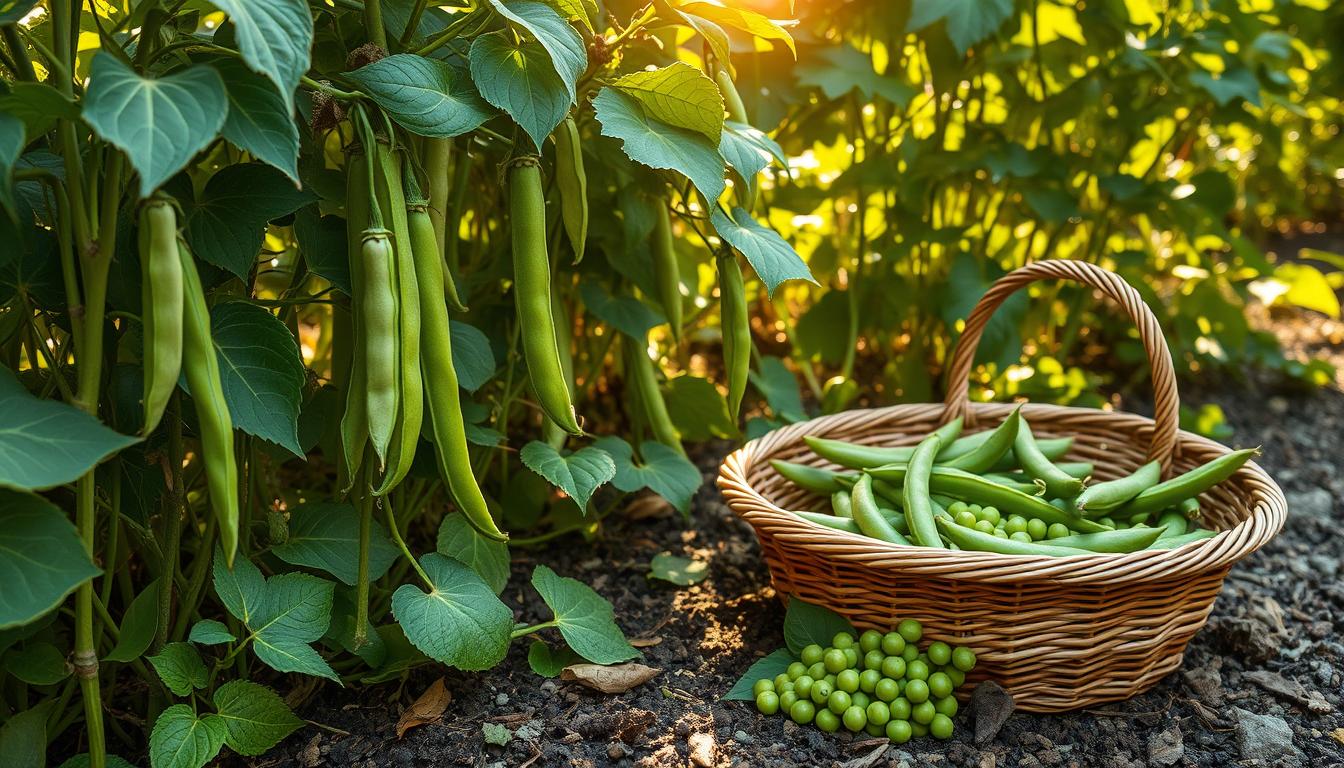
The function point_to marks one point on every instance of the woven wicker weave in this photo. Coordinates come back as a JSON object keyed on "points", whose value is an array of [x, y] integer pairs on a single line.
{"points": [[1058, 632]]}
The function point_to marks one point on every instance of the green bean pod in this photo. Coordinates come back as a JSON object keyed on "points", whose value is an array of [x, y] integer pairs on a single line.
{"points": [[1102, 498], [1054, 448], [975, 541], [378, 328], [438, 154], [868, 516], [857, 456], [1172, 542], [572, 181], [915, 493], [813, 479], [443, 394], [639, 367], [736, 327], [841, 504], [830, 521], [1192, 483], [1126, 540], [1057, 481], [161, 306], [556, 436], [984, 456], [1190, 508], [889, 493], [346, 370], [1172, 522], [532, 294], [200, 363], [978, 490], [666, 274]]}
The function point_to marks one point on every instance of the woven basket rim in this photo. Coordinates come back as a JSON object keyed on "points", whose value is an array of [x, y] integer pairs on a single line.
{"points": [[1266, 500]]}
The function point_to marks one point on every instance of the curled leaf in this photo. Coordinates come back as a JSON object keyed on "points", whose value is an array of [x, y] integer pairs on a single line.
{"points": [[429, 708], [614, 679]]}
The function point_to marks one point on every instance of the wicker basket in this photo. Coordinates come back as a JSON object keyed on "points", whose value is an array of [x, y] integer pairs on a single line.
{"points": [[1058, 632]]}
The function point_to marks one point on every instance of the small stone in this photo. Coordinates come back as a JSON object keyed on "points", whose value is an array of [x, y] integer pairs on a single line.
{"points": [[1263, 737], [548, 687], [501, 699], [1167, 747], [992, 706], [615, 751], [311, 755], [987, 760], [702, 749], [742, 737], [1206, 683], [1315, 503]]}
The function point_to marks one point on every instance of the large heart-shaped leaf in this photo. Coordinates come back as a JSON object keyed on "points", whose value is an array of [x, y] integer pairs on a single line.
{"points": [[228, 224], [584, 617], [520, 79], [275, 38], [698, 410], [473, 359], [45, 443], [563, 45], [460, 621], [968, 21], [322, 240], [426, 96], [41, 557], [487, 557], [625, 313], [578, 474], [261, 371], [659, 145], [773, 259], [745, 20], [254, 716], [160, 123], [679, 95], [664, 471], [326, 536], [137, 626], [182, 740], [766, 668], [259, 120], [807, 623], [23, 737], [11, 146], [780, 387]]}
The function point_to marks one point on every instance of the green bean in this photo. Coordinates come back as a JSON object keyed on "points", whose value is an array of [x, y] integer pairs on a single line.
{"points": [[841, 504], [379, 326], [915, 493], [830, 521], [868, 516], [666, 274], [355, 421], [161, 306], [736, 328], [985, 455], [1190, 508], [1016, 482], [555, 435], [814, 479], [888, 492], [971, 539], [437, 156], [1057, 481], [572, 182], [1199, 534], [857, 456], [1173, 522], [1099, 499], [1192, 483], [1128, 540], [640, 369]]}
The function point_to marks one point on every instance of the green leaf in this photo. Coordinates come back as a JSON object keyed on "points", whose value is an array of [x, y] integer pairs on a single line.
{"points": [[82, 761], [1306, 287], [487, 557], [773, 259], [679, 95], [748, 151], [584, 617], [1051, 204], [181, 740], [780, 388], [698, 409], [844, 68], [806, 623], [38, 105], [665, 471], [739, 18], [343, 621], [459, 622], [160, 123], [259, 120], [581, 11], [626, 313], [274, 38], [228, 225], [254, 716], [578, 474], [138, 626], [261, 371], [180, 668], [41, 557], [568, 55], [37, 664], [322, 240], [284, 614], [241, 589], [473, 359], [23, 737], [1001, 342], [1236, 82], [968, 21], [658, 145], [46, 443], [682, 571], [11, 146], [427, 97], [549, 662], [210, 632], [520, 79], [765, 668], [326, 536], [12, 12]]}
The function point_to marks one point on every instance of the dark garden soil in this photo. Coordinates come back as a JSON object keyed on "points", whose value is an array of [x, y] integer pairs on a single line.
{"points": [[1261, 685]]}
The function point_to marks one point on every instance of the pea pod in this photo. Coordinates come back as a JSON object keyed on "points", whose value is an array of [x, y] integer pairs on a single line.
{"points": [[573, 185], [200, 363], [640, 369], [841, 504], [437, 158], [985, 455], [915, 493], [378, 328], [354, 421], [1126, 540], [868, 516], [1172, 542], [556, 436], [973, 540], [666, 275], [813, 479], [1190, 508], [1057, 481], [442, 392], [1172, 522], [1192, 483], [736, 330], [161, 306], [1102, 498], [859, 456], [830, 521], [532, 294], [1054, 449]]}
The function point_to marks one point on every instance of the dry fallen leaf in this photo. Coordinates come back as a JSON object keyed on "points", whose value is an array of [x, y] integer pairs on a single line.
{"points": [[427, 709], [645, 642], [615, 679], [1338, 735]]}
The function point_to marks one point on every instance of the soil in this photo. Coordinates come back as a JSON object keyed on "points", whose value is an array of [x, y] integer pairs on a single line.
{"points": [[1261, 685]]}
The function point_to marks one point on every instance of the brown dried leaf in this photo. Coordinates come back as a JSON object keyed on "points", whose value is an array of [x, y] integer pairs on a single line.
{"points": [[427, 709], [645, 642], [615, 679], [1338, 735]]}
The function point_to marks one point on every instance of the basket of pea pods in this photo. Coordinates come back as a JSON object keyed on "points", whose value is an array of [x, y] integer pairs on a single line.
{"points": [[1075, 550]]}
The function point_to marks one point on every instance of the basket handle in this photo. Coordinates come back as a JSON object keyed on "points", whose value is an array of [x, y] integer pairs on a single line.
{"points": [[1166, 403]]}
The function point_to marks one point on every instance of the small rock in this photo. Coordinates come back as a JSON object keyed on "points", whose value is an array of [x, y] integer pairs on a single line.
{"points": [[702, 749], [548, 686], [987, 760], [742, 737], [1314, 503], [311, 754], [501, 699], [992, 706], [1206, 683], [615, 751], [1278, 405], [1167, 747], [1263, 737]]}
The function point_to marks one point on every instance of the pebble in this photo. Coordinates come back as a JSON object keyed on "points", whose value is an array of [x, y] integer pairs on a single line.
{"points": [[742, 737], [1167, 747], [1263, 737], [548, 686], [992, 706], [615, 751], [702, 749], [1314, 503], [501, 699]]}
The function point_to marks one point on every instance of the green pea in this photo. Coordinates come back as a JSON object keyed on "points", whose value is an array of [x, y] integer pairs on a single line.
{"points": [[847, 681], [963, 659], [842, 640], [920, 730], [878, 713], [870, 640], [830, 680], [1107, 522], [917, 670], [1036, 528], [947, 705], [965, 518], [816, 671], [893, 644], [767, 702], [1057, 531], [802, 711], [887, 689], [873, 659], [834, 660], [838, 702], [1015, 524], [821, 691], [911, 630], [1021, 536], [975, 508], [868, 680], [940, 653], [803, 686], [940, 685], [796, 670], [910, 653], [899, 731], [917, 691], [812, 654], [827, 721], [762, 686], [900, 708], [957, 507], [989, 515], [786, 700], [859, 699], [780, 680], [958, 677], [923, 712], [999, 533], [855, 718], [984, 526], [851, 657], [941, 727], [893, 667], [873, 729]]}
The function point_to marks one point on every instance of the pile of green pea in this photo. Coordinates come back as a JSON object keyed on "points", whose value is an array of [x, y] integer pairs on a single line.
{"points": [[1016, 527], [882, 684]]}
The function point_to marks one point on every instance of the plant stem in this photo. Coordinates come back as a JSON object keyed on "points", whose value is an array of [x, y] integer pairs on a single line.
{"points": [[173, 512], [524, 631], [395, 530], [413, 23], [373, 19], [365, 530], [23, 66]]}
